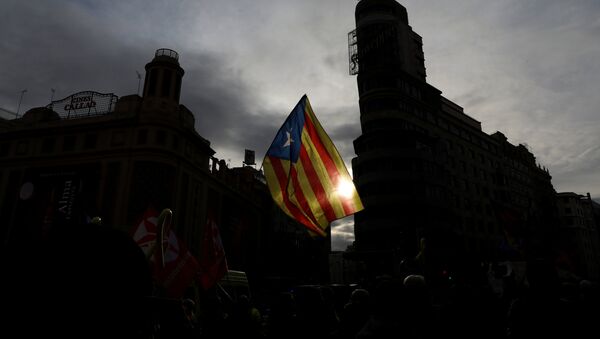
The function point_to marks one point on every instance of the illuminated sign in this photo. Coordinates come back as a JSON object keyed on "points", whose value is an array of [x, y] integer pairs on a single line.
{"points": [[84, 104]]}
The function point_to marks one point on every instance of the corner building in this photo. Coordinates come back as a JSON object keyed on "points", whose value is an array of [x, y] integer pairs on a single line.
{"points": [[93, 154], [426, 170]]}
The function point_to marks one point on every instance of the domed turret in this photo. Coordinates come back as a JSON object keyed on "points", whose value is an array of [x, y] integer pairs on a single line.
{"points": [[163, 76]]}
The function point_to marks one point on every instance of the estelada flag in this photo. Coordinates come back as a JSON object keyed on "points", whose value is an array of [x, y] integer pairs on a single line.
{"points": [[213, 263], [305, 173], [180, 266]]}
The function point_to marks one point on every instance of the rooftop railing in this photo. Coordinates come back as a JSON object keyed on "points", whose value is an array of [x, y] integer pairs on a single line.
{"points": [[167, 52]]}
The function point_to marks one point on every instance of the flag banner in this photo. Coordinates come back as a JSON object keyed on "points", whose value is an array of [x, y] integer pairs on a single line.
{"points": [[305, 173], [173, 266], [511, 222], [213, 263]]}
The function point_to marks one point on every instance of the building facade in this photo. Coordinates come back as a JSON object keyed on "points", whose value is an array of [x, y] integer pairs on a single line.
{"points": [[426, 171], [93, 154], [580, 247]]}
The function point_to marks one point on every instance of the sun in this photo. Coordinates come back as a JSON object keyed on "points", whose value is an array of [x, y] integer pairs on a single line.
{"points": [[345, 188]]}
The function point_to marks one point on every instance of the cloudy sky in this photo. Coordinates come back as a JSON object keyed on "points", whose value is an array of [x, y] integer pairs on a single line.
{"points": [[527, 68]]}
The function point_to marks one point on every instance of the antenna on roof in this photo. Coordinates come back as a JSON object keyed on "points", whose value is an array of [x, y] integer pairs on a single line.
{"points": [[52, 90], [20, 99], [139, 76]]}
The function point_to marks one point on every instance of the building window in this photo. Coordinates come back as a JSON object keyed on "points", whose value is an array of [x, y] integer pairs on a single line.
{"points": [[22, 147], [188, 149], [177, 87], [4, 149], [90, 141], [152, 82], [48, 145], [69, 142], [175, 142], [166, 83], [567, 210], [142, 136], [161, 137], [118, 138]]}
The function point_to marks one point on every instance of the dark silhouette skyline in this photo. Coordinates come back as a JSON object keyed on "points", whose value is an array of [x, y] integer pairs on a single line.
{"points": [[506, 68]]}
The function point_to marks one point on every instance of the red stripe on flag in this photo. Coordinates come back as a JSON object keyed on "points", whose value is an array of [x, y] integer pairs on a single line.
{"points": [[300, 196], [317, 186], [330, 166], [282, 178]]}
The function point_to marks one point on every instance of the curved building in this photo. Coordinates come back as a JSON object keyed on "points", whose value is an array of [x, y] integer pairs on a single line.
{"points": [[426, 172]]}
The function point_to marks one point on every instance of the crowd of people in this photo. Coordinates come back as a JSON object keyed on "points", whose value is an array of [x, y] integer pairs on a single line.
{"points": [[391, 307], [95, 281]]}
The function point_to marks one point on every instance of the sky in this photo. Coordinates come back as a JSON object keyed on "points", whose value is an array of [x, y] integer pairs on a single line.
{"points": [[526, 68]]}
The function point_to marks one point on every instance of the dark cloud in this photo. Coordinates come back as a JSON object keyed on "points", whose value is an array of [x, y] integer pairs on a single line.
{"points": [[64, 48], [225, 112], [526, 68]]}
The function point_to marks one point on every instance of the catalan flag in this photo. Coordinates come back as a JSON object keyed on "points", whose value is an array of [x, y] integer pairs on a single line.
{"points": [[305, 173]]}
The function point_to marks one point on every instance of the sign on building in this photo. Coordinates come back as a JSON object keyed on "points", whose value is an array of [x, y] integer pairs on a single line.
{"points": [[249, 157], [84, 104]]}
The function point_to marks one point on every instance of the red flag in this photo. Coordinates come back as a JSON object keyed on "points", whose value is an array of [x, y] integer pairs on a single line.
{"points": [[180, 266], [144, 233], [512, 224], [213, 264]]}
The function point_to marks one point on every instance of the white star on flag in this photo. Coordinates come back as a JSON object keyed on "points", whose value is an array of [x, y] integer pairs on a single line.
{"points": [[289, 139]]}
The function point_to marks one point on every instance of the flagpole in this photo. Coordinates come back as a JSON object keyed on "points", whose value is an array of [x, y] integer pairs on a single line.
{"points": [[164, 223], [164, 217], [224, 292]]}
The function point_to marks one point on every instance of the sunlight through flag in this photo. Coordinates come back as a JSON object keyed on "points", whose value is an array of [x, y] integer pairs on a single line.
{"points": [[305, 173]]}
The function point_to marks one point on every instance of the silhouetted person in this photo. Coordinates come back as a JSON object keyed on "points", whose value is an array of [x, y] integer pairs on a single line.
{"points": [[246, 320], [90, 280], [331, 317], [214, 316], [474, 312], [355, 314], [389, 312], [587, 314], [539, 313], [419, 318], [191, 327], [283, 322], [311, 312]]}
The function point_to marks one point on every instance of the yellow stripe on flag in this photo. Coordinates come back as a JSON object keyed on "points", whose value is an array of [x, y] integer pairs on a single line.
{"points": [[323, 175], [311, 198]]}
